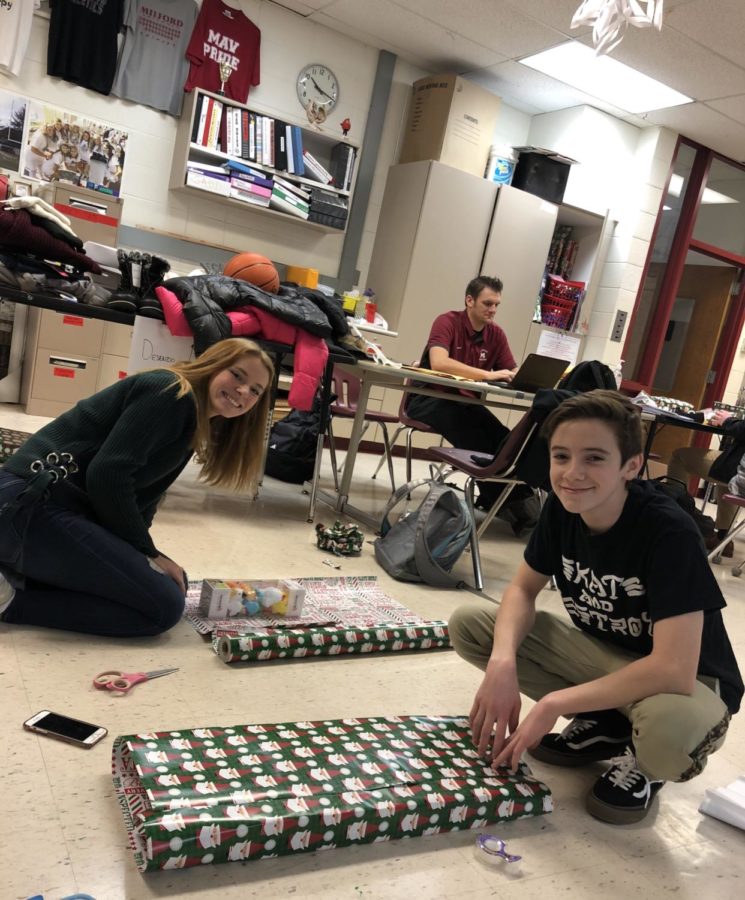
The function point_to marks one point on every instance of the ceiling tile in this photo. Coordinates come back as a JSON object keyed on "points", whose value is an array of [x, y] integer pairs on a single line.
{"points": [[496, 24], [532, 92], [680, 63], [554, 13], [734, 107], [717, 24], [410, 36], [303, 8], [702, 124]]}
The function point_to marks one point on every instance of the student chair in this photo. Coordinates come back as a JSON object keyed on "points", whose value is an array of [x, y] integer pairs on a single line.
{"points": [[716, 554], [500, 469], [347, 389], [408, 425]]}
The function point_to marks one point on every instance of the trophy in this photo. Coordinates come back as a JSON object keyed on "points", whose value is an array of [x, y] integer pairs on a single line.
{"points": [[226, 70]]}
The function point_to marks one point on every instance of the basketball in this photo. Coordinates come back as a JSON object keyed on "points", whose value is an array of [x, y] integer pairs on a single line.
{"points": [[254, 268]]}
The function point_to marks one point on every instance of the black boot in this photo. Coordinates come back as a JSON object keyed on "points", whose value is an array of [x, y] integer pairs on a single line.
{"points": [[152, 277], [125, 298]]}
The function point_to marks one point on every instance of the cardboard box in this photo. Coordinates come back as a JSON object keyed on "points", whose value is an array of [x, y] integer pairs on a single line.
{"points": [[224, 599], [451, 120]]}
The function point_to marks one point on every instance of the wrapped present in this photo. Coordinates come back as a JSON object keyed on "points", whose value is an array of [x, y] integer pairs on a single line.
{"points": [[331, 640], [211, 795], [339, 539]]}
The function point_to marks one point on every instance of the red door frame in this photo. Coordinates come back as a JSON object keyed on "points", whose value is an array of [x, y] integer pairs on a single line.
{"points": [[683, 241], [673, 272]]}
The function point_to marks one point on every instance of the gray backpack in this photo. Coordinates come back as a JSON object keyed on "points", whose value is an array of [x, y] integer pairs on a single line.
{"points": [[425, 543]]}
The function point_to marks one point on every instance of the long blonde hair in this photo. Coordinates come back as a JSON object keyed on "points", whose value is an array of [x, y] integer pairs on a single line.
{"points": [[230, 450]]}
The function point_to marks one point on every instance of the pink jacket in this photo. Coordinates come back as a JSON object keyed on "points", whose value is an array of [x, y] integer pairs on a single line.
{"points": [[310, 355]]}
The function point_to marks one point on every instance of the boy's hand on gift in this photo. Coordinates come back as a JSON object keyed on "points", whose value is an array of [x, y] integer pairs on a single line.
{"points": [[539, 721], [496, 707]]}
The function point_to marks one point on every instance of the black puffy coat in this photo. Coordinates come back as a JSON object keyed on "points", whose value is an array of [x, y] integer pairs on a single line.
{"points": [[206, 298]]}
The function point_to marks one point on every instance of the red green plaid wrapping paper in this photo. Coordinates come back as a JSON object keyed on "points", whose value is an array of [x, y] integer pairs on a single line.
{"points": [[212, 795], [329, 640]]}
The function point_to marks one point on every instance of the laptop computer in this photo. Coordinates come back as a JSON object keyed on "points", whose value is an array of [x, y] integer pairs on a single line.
{"points": [[536, 372]]}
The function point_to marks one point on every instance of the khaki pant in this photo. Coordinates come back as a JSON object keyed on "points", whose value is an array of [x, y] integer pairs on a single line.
{"points": [[687, 461], [673, 734]]}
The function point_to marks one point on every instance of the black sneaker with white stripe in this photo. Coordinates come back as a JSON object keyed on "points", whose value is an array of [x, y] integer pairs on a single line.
{"points": [[623, 794], [589, 737]]}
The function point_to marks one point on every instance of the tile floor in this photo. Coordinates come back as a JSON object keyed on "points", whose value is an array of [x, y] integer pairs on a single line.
{"points": [[63, 830]]}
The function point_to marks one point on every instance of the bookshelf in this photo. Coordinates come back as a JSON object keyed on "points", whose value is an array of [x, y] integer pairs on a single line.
{"points": [[578, 251], [240, 156]]}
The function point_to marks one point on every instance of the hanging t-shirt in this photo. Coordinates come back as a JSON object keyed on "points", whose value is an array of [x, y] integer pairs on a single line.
{"points": [[223, 35], [153, 64], [649, 566], [15, 27], [82, 44]]}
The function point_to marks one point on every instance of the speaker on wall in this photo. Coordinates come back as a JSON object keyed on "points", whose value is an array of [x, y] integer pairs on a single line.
{"points": [[542, 175]]}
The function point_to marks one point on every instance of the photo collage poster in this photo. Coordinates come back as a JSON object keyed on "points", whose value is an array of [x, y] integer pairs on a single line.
{"points": [[12, 124], [72, 148]]}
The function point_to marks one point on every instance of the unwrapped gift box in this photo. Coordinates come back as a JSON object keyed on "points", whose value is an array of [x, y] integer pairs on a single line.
{"points": [[212, 795]]}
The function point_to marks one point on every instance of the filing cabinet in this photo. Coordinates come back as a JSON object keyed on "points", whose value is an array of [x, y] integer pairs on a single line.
{"points": [[69, 357]]}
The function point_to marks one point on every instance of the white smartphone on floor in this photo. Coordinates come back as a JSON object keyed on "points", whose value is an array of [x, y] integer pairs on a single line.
{"points": [[83, 734]]}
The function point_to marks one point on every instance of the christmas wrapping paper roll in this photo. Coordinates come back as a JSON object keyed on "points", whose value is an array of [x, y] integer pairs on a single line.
{"points": [[212, 795], [331, 640]]}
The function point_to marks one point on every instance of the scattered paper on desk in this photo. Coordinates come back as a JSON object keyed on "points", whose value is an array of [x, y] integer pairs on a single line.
{"points": [[727, 803], [560, 346], [432, 372]]}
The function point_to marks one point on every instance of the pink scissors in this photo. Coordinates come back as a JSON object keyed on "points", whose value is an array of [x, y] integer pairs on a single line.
{"points": [[121, 682]]}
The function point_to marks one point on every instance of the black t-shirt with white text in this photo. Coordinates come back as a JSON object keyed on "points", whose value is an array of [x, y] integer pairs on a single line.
{"points": [[650, 565], [82, 44]]}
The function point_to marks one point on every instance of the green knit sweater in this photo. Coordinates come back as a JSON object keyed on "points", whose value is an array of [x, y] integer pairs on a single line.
{"points": [[130, 441]]}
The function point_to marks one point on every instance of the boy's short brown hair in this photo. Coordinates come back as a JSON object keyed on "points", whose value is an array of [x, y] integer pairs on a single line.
{"points": [[615, 410]]}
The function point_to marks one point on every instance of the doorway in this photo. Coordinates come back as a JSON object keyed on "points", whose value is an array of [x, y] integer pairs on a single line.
{"points": [[694, 329]]}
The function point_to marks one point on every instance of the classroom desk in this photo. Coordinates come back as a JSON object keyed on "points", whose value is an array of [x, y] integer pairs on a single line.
{"points": [[392, 378], [662, 418]]}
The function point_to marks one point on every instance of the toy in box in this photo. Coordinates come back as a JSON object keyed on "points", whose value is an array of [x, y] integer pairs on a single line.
{"points": [[225, 599]]}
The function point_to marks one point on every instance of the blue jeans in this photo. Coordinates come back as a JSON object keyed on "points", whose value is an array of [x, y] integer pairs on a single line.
{"points": [[73, 574]]}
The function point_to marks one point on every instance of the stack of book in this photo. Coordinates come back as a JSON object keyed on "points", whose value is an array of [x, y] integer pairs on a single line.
{"points": [[214, 179], [249, 185], [328, 208], [289, 198]]}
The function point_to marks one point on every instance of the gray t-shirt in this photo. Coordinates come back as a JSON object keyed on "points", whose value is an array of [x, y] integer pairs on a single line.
{"points": [[153, 65]]}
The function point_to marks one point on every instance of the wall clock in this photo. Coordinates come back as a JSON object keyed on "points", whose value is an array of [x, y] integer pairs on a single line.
{"points": [[318, 86]]}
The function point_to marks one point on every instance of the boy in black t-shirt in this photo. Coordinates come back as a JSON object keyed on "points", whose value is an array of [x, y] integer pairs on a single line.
{"points": [[646, 669]]}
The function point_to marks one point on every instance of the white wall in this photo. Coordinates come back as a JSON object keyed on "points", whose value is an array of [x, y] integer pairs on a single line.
{"points": [[288, 42]]}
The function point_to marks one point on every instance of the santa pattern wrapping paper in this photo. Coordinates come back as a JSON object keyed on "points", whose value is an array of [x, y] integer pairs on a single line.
{"points": [[332, 640], [212, 795]]}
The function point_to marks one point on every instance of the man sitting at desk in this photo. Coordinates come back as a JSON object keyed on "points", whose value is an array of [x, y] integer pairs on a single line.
{"points": [[467, 342], [719, 467]]}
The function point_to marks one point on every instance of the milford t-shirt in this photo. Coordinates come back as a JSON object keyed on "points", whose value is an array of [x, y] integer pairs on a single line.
{"points": [[223, 35], [82, 44], [153, 64], [15, 27]]}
